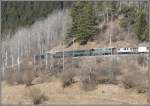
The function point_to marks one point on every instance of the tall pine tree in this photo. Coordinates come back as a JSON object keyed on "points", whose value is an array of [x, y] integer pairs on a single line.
{"points": [[83, 22], [141, 26]]}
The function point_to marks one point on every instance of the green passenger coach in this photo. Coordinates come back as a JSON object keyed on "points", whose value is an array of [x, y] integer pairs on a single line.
{"points": [[102, 51]]}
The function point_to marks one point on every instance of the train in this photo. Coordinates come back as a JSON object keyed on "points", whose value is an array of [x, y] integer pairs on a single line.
{"points": [[95, 51]]}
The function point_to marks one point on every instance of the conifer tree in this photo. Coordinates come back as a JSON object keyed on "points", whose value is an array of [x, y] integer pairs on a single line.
{"points": [[83, 22], [141, 26]]}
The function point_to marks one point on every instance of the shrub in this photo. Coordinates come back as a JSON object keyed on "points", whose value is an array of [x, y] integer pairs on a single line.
{"points": [[17, 77], [8, 77], [104, 73], [137, 80], [20, 77], [88, 81], [99, 60], [67, 78], [71, 62], [41, 78], [28, 76], [36, 95], [141, 60], [75, 63], [123, 22], [14, 77]]}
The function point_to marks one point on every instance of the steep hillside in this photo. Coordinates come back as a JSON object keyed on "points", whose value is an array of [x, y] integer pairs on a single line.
{"points": [[112, 36], [28, 77]]}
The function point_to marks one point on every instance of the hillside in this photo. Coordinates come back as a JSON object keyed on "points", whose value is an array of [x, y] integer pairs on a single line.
{"points": [[114, 36], [124, 89], [104, 94], [58, 26]]}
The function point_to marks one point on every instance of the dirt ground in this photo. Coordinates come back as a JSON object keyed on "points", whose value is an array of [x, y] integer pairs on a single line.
{"points": [[104, 94]]}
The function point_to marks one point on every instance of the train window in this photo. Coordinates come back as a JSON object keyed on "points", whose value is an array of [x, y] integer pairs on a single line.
{"points": [[42, 56]]}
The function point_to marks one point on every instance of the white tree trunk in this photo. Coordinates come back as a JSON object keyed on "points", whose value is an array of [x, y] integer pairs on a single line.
{"points": [[18, 59], [3, 71], [63, 58], [46, 61], [12, 59], [110, 32], [120, 5], [6, 61]]}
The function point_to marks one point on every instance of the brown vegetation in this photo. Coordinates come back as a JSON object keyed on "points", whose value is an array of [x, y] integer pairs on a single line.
{"points": [[137, 80], [36, 95], [88, 81], [14, 77], [89, 72], [67, 78]]}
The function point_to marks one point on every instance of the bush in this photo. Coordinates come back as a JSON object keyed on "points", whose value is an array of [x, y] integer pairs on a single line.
{"points": [[71, 63], [28, 77], [104, 73], [141, 60], [19, 77], [137, 80], [8, 77], [41, 78], [99, 60], [88, 81], [123, 22], [67, 78], [36, 95], [14, 77]]}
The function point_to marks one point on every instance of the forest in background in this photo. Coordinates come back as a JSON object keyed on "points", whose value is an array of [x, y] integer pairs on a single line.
{"points": [[18, 14], [87, 15]]}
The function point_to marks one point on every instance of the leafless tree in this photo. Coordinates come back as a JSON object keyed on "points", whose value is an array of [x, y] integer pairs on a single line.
{"points": [[41, 36]]}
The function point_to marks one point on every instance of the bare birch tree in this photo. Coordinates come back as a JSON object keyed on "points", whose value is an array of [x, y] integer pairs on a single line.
{"points": [[41, 36]]}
